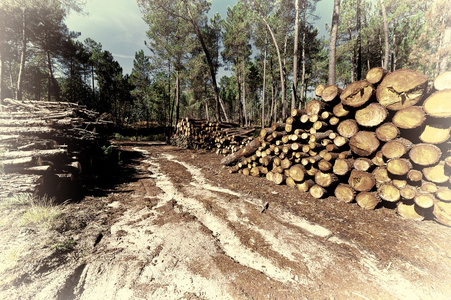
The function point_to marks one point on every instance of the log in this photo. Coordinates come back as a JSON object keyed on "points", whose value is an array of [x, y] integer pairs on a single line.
{"points": [[266, 132], [438, 105], [436, 173], [255, 172], [347, 128], [364, 143], [414, 175], [399, 183], [436, 133], [325, 179], [357, 93], [246, 151], [399, 166], [331, 93], [361, 181], [443, 194], [375, 75], [424, 200], [401, 88], [409, 117], [342, 166], [380, 174], [314, 107], [443, 81], [410, 211], [296, 113], [429, 187], [387, 131], [425, 154], [344, 192], [378, 159], [408, 192], [317, 191], [367, 200], [319, 89], [340, 111], [297, 172], [372, 115], [442, 212], [43, 154], [324, 165], [389, 192], [279, 178], [305, 186], [362, 164], [279, 126], [396, 148]]}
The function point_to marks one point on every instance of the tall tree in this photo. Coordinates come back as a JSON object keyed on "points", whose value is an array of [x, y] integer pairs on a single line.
{"points": [[259, 8], [386, 41], [140, 79], [359, 40], [192, 14], [237, 48], [333, 42], [295, 55]]}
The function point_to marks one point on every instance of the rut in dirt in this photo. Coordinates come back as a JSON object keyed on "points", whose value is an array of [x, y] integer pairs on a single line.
{"points": [[197, 239]]}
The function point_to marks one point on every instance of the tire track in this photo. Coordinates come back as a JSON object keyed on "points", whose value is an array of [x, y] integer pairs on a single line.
{"points": [[309, 244]]}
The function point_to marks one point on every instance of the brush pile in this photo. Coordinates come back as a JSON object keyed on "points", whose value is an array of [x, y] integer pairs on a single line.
{"points": [[225, 138], [44, 145], [384, 140]]}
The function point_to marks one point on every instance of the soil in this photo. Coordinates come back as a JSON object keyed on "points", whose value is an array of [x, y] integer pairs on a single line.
{"points": [[174, 224]]}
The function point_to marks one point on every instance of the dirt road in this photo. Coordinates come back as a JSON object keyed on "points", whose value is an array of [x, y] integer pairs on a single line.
{"points": [[182, 227]]}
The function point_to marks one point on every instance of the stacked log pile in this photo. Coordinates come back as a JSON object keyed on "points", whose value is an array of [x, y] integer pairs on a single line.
{"points": [[381, 141], [225, 138], [43, 144]]}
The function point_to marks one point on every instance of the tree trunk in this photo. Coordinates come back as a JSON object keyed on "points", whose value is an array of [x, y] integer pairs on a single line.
{"points": [[387, 44], [2, 34], [264, 87], [301, 98], [243, 94], [295, 56], [177, 96], [282, 77], [446, 42], [333, 42], [359, 42], [50, 76], [22, 57], [209, 60]]}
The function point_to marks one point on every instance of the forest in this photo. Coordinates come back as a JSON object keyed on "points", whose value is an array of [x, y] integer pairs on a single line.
{"points": [[272, 49]]}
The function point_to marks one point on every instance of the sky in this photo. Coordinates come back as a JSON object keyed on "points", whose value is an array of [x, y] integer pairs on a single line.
{"points": [[119, 27]]}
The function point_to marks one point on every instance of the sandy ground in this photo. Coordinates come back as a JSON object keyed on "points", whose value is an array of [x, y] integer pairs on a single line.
{"points": [[177, 225]]}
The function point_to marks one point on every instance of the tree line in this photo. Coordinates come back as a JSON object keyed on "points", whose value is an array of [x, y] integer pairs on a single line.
{"points": [[273, 53]]}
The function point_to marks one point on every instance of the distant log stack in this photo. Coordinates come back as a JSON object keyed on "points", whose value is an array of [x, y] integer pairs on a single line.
{"points": [[384, 140], [43, 143], [225, 138]]}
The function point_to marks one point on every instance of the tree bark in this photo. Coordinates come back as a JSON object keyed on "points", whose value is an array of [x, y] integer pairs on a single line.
{"points": [[264, 86], [22, 56], [279, 57], [295, 56], [333, 42], [386, 41], [359, 41], [209, 61]]}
